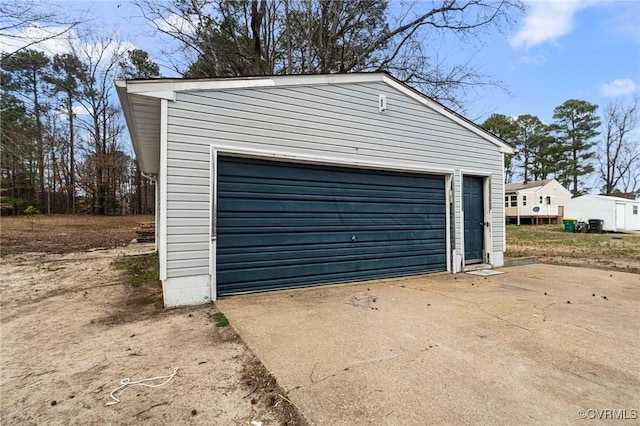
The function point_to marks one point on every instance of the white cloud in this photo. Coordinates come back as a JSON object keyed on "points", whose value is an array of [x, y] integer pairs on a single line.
{"points": [[66, 42], [547, 21], [30, 35], [177, 24], [534, 59], [80, 110], [618, 87], [102, 50], [97, 49]]}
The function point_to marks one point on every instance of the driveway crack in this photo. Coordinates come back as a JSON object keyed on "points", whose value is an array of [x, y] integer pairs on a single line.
{"points": [[512, 324], [313, 382]]}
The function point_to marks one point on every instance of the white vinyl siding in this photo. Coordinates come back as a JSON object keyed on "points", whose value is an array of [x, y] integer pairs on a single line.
{"points": [[338, 122]]}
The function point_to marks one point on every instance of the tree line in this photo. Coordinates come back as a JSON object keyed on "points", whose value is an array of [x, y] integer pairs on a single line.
{"points": [[62, 131], [578, 143]]}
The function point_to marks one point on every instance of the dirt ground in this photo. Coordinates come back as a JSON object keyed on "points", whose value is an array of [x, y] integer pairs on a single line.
{"points": [[72, 327], [66, 233]]}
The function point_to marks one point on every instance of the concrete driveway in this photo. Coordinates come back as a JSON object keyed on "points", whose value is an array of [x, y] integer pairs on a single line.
{"points": [[534, 345]]}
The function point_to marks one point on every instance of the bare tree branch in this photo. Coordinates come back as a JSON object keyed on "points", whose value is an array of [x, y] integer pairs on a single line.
{"points": [[17, 17], [620, 157]]}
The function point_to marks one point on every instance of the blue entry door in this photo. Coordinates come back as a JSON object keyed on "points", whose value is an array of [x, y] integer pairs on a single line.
{"points": [[474, 223]]}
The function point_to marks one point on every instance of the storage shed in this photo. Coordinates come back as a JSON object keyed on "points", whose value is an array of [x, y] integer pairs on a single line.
{"points": [[619, 214], [278, 182]]}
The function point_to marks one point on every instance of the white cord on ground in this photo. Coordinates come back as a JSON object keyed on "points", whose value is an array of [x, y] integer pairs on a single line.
{"points": [[127, 382]]}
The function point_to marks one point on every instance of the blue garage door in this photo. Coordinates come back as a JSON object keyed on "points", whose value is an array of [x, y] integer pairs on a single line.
{"points": [[283, 224]]}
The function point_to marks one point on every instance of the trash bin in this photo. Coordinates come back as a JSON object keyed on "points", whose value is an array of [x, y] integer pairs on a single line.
{"points": [[582, 227], [596, 225], [569, 225]]}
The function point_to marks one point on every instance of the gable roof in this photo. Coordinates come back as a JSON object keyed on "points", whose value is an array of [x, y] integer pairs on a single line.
{"points": [[608, 198], [515, 187], [141, 103], [633, 196]]}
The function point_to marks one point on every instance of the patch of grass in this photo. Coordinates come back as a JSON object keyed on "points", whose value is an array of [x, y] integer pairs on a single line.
{"points": [[554, 236], [220, 319], [551, 244], [121, 265], [143, 269]]}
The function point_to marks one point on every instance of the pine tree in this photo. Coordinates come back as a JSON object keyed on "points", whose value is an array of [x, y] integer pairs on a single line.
{"points": [[68, 71], [576, 125], [529, 130], [505, 128], [28, 68]]}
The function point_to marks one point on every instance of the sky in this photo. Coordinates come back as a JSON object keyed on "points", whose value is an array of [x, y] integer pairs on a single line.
{"points": [[565, 49], [557, 50]]}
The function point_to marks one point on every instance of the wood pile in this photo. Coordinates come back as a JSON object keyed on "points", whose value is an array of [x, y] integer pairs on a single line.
{"points": [[146, 232]]}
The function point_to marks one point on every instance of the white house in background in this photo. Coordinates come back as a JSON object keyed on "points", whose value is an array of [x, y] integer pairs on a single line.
{"points": [[539, 201], [619, 214]]}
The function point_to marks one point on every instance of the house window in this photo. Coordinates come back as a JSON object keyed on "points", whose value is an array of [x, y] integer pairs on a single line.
{"points": [[635, 209], [506, 201], [548, 200], [541, 199], [524, 200], [514, 201]]}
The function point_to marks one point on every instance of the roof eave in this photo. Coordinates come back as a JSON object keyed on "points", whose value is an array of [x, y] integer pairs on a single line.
{"points": [[125, 96], [127, 109]]}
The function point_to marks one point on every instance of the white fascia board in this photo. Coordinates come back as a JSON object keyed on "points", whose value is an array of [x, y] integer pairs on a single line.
{"points": [[166, 89], [476, 172], [127, 109], [313, 80], [163, 188], [504, 147]]}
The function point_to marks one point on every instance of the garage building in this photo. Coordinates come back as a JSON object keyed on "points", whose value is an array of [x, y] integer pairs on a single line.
{"points": [[277, 182]]}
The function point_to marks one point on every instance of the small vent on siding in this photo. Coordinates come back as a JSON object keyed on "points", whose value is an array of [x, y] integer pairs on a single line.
{"points": [[382, 103]]}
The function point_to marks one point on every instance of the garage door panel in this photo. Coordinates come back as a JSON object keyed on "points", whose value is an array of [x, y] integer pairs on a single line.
{"points": [[277, 259], [328, 278], [385, 193], [302, 239], [319, 271], [286, 225], [295, 253], [244, 219], [325, 228], [314, 175], [336, 205]]}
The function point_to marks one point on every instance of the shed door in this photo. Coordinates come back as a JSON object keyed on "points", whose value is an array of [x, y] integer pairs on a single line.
{"points": [[620, 216], [285, 224], [473, 206]]}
